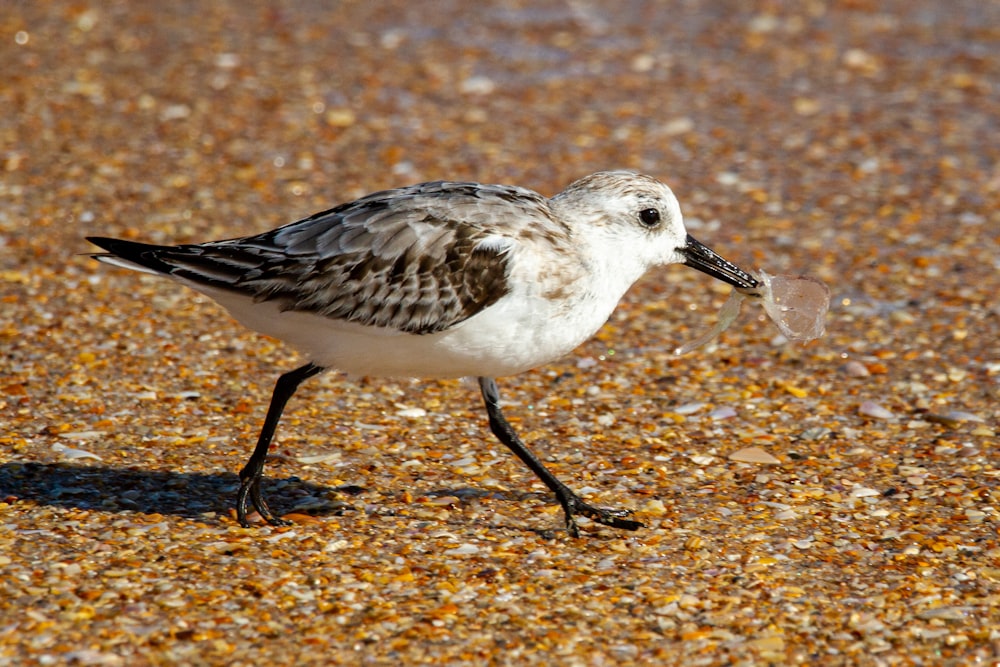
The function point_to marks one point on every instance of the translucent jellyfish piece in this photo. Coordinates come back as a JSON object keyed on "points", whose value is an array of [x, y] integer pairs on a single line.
{"points": [[796, 304], [727, 315]]}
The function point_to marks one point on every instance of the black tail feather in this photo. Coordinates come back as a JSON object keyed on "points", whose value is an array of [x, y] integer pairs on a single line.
{"points": [[143, 254]]}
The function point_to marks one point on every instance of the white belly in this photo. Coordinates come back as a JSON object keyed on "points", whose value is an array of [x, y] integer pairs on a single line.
{"points": [[512, 336]]}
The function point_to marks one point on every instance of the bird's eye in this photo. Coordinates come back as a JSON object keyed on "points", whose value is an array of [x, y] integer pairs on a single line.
{"points": [[649, 216]]}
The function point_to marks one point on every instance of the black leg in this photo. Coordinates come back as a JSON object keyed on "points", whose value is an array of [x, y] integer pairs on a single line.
{"points": [[571, 503], [252, 472]]}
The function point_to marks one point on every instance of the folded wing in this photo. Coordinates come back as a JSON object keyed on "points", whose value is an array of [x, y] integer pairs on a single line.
{"points": [[419, 259]]}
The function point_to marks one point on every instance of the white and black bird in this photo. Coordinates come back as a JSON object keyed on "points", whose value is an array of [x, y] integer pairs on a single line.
{"points": [[440, 280]]}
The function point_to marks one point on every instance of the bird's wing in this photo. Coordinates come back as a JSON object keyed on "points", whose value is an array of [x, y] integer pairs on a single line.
{"points": [[418, 259]]}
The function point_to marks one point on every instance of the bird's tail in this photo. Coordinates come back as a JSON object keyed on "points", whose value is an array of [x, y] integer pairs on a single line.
{"points": [[143, 257]]}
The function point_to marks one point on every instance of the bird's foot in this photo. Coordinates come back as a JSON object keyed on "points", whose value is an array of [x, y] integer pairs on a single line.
{"points": [[573, 505], [250, 494]]}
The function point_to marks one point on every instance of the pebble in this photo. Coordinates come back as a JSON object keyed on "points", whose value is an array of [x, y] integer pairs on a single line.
{"points": [[655, 507], [753, 455], [443, 501], [815, 433], [71, 453], [945, 612], [81, 435], [319, 458], [874, 410], [856, 369], [463, 550], [724, 412]]}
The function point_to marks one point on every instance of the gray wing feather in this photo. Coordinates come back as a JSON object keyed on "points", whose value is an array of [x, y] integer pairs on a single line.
{"points": [[418, 259]]}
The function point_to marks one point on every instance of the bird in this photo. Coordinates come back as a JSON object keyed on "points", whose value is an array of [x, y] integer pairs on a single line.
{"points": [[443, 279]]}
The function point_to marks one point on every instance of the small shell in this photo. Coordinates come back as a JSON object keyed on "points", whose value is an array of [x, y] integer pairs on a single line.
{"points": [[874, 410], [753, 455]]}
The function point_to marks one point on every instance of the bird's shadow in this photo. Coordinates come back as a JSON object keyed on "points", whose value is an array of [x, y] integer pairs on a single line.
{"points": [[183, 494], [196, 496]]}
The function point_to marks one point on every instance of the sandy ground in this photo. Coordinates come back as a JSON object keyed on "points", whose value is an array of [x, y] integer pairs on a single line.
{"points": [[854, 141]]}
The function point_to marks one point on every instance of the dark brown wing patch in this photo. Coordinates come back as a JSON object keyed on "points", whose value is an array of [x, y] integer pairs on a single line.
{"points": [[412, 292]]}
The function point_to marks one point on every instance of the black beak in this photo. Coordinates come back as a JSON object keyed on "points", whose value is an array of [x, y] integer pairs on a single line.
{"points": [[699, 256]]}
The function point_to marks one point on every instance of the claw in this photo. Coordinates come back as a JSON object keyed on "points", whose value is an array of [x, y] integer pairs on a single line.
{"points": [[250, 490], [606, 517]]}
